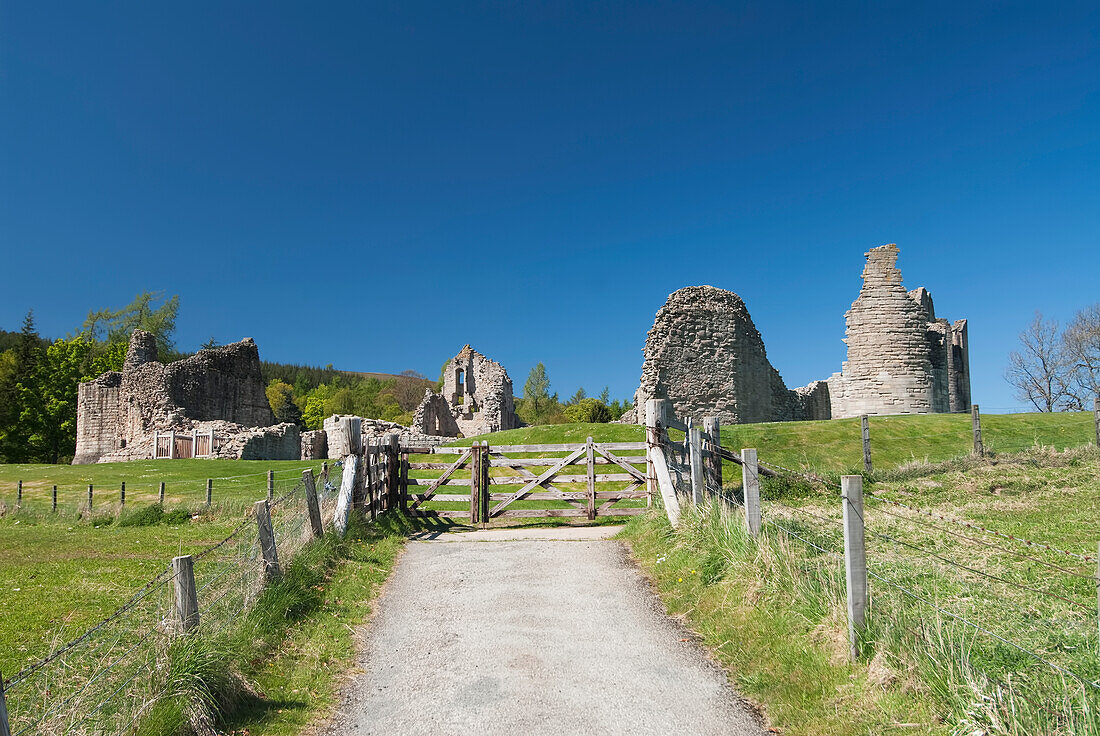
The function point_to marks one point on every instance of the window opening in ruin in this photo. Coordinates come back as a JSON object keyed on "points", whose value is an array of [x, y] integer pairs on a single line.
{"points": [[460, 387]]}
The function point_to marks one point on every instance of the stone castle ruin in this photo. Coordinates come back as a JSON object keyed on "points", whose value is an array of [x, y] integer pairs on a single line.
{"points": [[705, 354], [218, 389], [901, 358], [476, 399]]}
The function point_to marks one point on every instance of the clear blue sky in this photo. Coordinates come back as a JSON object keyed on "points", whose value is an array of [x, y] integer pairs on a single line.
{"points": [[374, 185]]}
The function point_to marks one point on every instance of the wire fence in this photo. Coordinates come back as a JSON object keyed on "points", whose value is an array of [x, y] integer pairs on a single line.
{"points": [[1028, 608], [106, 679]]}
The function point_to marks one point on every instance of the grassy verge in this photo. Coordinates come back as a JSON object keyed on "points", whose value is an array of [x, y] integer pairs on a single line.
{"points": [[774, 609], [277, 669]]}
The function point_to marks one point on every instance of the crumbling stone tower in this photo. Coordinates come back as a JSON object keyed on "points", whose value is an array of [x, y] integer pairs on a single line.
{"points": [[705, 354], [901, 358]]}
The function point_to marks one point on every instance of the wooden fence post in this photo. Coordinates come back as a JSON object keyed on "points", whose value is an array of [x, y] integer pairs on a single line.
{"points": [[483, 482], [162, 493], [5, 726], [324, 472], [19, 494], [475, 486], [698, 484], [270, 486], [393, 470], [855, 558], [1096, 413], [187, 597], [55, 499], [713, 459], [369, 457], [89, 498], [651, 441], [976, 422], [865, 432], [267, 539], [347, 491], [122, 495], [209, 492], [750, 482], [312, 504], [403, 497], [590, 453]]}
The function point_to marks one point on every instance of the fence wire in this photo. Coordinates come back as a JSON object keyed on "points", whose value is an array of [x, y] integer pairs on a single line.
{"points": [[103, 681]]}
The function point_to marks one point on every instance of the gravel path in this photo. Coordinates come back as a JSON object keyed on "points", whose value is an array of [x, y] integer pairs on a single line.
{"points": [[552, 632]]}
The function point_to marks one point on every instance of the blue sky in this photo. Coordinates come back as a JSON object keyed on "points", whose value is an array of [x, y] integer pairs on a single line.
{"points": [[373, 185]]}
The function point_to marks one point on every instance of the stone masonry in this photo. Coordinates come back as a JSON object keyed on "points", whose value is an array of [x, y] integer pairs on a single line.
{"points": [[901, 358], [705, 354], [218, 388], [476, 399]]}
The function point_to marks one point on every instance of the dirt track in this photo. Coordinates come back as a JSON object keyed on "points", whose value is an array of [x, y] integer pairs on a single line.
{"points": [[556, 633]]}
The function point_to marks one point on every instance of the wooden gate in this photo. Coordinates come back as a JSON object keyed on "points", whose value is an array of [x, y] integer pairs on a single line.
{"points": [[529, 481]]}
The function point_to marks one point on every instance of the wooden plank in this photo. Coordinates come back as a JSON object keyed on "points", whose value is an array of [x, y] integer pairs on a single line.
{"points": [[409, 450], [432, 481], [445, 451], [547, 496], [673, 423], [590, 453], [527, 474], [429, 466], [546, 475], [433, 485], [624, 511], [429, 513], [567, 448], [508, 462], [539, 513], [512, 480], [621, 462]]}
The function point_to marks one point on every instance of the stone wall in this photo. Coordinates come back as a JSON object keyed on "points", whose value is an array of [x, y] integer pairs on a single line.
{"points": [[480, 393], [118, 413], [314, 445], [705, 354], [434, 416], [901, 358]]}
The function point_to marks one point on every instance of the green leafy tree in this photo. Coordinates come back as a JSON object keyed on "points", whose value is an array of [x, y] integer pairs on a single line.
{"points": [[115, 326], [578, 396], [48, 399], [23, 367], [280, 396], [536, 391], [605, 396], [589, 411]]}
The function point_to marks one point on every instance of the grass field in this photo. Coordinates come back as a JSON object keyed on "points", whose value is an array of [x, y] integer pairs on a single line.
{"points": [[61, 572]]}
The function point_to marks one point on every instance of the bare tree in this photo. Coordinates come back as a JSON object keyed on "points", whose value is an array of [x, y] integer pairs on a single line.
{"points": [[1081, 349], [1039, 371]]}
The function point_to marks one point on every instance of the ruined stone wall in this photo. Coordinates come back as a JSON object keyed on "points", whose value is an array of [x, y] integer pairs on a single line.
{"points": [[705, 354], [480, 394], [434, 416], [901, 358], [314, 445], [117, 413]]}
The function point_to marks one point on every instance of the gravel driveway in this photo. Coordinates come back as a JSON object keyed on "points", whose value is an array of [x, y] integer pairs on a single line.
{"points": [[553, 632]]}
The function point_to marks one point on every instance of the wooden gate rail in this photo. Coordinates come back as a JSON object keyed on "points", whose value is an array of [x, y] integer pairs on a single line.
{"points": [[542, 484]]}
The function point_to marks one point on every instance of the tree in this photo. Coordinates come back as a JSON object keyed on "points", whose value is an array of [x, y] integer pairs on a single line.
{"points": [[537, 391], [1081, 351], [48, 399], [1039, 371], [408, 390], [578, 396], [605, 396], [280, 396], [23, 365], [588, 411], [114, 326]]}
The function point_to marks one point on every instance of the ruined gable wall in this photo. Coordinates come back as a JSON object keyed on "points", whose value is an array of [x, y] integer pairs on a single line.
{"points": [[901, 358], [433, 416], [97, 418], [487, 403], [705, 354], [221, 383]]}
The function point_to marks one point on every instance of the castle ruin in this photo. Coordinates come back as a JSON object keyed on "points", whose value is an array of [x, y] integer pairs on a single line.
{"points": [[217, 389], [476, 399], [705, 354], [901, 358]]}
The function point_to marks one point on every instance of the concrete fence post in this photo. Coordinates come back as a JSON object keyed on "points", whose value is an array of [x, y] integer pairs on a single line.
{"points": [[976, 423], [5, 726], [713, 459], [698, 484], [187, 597], [855, 558], [313, 506], [865, 432], [750, 482], [270, 486], [267, 539]]}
